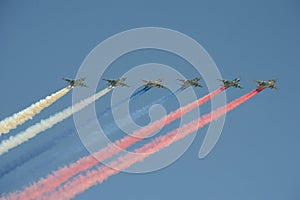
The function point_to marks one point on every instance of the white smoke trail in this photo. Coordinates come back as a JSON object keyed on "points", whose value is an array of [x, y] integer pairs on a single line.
{"points": [[45, 124], [28, 113]]}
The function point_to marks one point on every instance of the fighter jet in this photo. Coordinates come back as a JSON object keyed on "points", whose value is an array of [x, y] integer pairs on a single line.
{"points": [[192, 82], [155, 83], [233, 83], [74, 83], [266, 84], [114, 83]]}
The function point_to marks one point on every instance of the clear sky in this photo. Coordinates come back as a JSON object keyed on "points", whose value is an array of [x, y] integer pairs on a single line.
{"points": [[257, 156]]}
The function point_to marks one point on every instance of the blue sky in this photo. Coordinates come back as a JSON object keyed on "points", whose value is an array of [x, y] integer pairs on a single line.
{"points": [[257, 154]]}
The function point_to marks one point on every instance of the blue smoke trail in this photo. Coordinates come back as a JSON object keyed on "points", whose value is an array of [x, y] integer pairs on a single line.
{"points": [[137, 93], [23, 158], [139, 113], [31, 153]]}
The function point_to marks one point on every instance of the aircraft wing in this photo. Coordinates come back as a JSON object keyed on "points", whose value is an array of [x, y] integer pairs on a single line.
{"points": [[158, 80], [196, 79], [83, 85], [275, 88], [258, 81], [66, 79], [160, 86], [197, 85], [124, 84], [223, 81], [108, 80]]}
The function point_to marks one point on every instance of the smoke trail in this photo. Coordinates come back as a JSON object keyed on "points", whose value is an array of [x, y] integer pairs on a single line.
{"points": [[45, 124], [28, 113], [137, 93], [140, 92], [140, 112], [12, 165], [60, 176], [92, 177]]}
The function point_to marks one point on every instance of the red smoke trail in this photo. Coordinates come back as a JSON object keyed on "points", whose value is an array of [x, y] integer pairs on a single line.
{"points": [[58, 177], [92, 177]]}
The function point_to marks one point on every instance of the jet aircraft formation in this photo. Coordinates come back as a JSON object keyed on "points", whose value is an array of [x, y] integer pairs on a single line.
{"points": [[55, 186], [112, 83]]}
